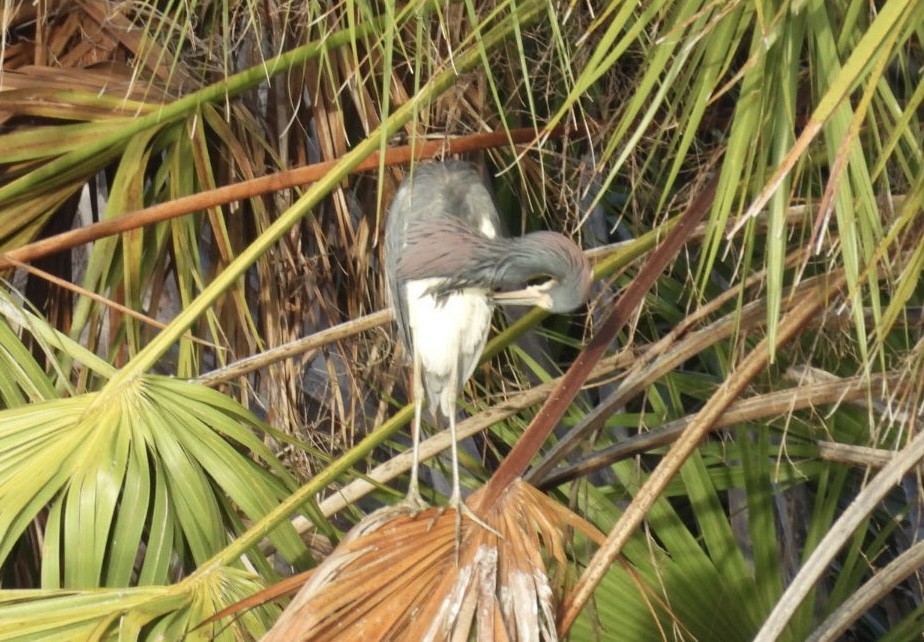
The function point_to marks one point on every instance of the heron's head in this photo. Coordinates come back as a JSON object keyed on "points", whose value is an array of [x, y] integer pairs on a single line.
{"points": [[544, 269]]}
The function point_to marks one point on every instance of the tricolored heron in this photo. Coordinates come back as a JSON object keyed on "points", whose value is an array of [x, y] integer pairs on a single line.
{"points": [[446, 265]]}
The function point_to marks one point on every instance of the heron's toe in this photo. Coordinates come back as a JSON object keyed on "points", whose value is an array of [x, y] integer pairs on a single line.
{"points": [[462, 509]]}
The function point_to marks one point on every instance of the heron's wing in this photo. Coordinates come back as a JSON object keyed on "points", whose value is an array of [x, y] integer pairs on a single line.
{"points": [[395, 231]]}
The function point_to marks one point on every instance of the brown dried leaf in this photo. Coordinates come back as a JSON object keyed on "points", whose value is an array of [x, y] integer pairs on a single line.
{"points": [[396, 576]]}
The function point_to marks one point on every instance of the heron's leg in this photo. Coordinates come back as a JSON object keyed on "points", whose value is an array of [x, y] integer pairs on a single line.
{"points": [[455, 500], [413, 499]]}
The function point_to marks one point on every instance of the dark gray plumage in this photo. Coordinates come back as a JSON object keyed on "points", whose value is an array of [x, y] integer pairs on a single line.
{"points": [[446, 264]]}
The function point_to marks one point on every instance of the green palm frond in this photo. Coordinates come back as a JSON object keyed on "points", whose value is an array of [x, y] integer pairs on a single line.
{"points": [[149, 612], [158, 465]]}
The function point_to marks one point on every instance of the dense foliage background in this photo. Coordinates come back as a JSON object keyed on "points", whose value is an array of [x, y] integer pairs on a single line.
{"points": [[193, 396]]}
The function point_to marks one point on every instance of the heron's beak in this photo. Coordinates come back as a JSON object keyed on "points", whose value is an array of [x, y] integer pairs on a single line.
{"points": [[532, 295]]}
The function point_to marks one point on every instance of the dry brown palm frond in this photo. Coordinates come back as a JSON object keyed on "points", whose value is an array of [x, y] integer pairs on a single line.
{"points": [[396, 576]]}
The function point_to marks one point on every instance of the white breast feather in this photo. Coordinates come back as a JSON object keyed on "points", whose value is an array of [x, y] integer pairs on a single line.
{"points": [[457, 325]]}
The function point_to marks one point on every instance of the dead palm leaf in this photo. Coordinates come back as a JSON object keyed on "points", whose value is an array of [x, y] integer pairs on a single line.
{"points": [[398, 576]]}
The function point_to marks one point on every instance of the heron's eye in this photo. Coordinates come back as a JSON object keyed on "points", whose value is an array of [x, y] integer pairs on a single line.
{"points": [[538, 280]]}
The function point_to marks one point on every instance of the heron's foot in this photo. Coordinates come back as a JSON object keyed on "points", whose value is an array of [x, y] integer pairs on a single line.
{"points": [[461, 509], [414, 501]]}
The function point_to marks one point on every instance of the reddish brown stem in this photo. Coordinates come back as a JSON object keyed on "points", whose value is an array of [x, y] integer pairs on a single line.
{"points": [[514, 465], [262, 185]]}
